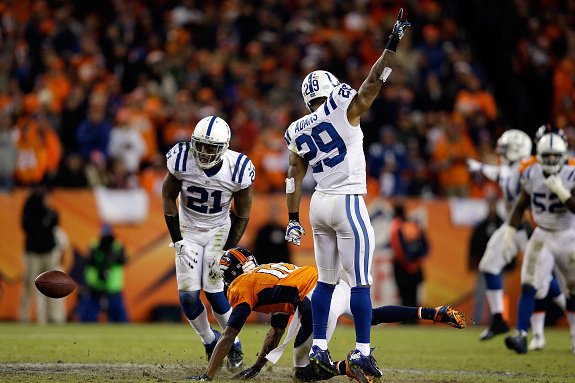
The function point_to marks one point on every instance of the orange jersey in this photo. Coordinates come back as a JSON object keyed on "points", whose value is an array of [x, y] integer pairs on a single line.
{"points": [[273, 287]]}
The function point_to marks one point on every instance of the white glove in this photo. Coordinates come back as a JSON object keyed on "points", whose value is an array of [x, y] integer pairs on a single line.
{"points": [[555, 184], [294, 231], [509, 245], [181, 247], [473, 165]]}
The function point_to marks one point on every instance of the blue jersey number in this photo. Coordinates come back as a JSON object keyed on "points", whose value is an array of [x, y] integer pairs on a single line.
{"points": [[315, 143], [198, 198], [547, 202]]}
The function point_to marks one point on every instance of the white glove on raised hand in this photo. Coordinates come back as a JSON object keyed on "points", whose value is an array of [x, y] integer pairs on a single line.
{"points": [[294, 231], [555, 184], [473, 165], [509, 245]]}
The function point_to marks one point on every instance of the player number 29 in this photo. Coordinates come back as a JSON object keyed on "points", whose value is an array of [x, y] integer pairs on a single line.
{"points": [[316, 143]]}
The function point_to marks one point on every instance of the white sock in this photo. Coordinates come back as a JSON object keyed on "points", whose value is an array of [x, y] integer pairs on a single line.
{"points": [[321, 343], [495, 300], [222, 318], [202, 327], [561, 301], [363, 348], [538, 323], [571, 319]]}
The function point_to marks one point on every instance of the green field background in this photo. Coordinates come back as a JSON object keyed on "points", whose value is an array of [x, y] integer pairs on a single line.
{"points": [[169, 353]]}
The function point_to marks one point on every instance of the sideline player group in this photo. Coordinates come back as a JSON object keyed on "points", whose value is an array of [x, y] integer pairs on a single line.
{"points": [[206, 176]]}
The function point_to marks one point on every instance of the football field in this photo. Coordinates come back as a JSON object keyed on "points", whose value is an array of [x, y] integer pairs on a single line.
{"points": [[169, 353]]}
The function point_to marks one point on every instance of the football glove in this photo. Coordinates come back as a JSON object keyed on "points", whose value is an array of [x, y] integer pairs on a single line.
{"points": [[400, 26], [473, 165], [294, 231], [248, 373], [509, 244], [555, 184], [180, 247]]}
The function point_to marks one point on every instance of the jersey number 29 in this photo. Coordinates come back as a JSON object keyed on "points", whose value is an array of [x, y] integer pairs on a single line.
{"points": [[315, 143]]}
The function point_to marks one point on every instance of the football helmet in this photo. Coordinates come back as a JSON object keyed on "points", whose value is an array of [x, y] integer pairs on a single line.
{"points": [[551, 153], [548, 128], [235, 262], [210, 140], [514, 145], [318, 83]]}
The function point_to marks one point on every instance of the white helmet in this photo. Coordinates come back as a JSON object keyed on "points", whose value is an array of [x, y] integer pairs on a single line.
{"points": [[551, 153], [514, 145], [210, 140], [318, 83]]}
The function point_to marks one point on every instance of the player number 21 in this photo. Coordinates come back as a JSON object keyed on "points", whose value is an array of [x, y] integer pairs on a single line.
{"points": [[198, 198]]}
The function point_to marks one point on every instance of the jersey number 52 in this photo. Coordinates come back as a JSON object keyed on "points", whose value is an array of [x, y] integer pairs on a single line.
{"points": [[316, 143]]}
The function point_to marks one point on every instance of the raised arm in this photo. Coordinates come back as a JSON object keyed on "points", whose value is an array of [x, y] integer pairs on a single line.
{"points": [[296, 172], [378, 73]]}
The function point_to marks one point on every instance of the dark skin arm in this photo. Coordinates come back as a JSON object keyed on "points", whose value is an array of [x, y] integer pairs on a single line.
{"points": [[270, 342], [570, 203], [522, 203], [296, 170], [170, 191], [369, 89], [242, 207], [222, 348]]}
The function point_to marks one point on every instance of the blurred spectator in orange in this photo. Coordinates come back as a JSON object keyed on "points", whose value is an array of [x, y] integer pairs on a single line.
{"points": [[410, 247], [269, 156], [449, 154], [31, 159], [472, 99]]}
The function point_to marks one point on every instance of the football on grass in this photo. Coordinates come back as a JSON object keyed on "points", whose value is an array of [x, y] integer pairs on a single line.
{"points": [[55, 284]]}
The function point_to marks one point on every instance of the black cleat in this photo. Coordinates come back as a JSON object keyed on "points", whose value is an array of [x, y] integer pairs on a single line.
{"points": [[518, 343], [210, 347], [235, 356], [495, 328]]}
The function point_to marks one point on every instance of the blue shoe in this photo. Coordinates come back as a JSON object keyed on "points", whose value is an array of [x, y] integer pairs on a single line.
{"points": [[518, 343], [210, 347], [235, 356], [363, 368], [321, 360]]}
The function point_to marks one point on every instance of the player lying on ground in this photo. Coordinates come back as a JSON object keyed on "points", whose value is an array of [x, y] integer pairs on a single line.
{"points": [[281, 288]]}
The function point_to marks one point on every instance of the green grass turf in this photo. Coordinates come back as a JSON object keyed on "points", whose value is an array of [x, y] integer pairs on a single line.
{"points": [[168, 353]]}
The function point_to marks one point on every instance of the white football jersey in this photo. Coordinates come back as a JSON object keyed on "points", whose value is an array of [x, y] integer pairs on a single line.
{"points": [[332, 147], [510, 183], [205, 198], [547, 210]]}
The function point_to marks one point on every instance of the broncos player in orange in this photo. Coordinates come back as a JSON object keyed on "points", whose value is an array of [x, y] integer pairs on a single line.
{"points": [[283, 289]]}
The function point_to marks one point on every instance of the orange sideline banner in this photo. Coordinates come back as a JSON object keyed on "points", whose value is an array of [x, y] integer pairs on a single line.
{"points": [[149, 273]]}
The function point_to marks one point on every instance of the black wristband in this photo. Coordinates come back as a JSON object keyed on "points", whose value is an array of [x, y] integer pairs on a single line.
{"points": [[392, 43], [173, 223], [294, 216]]}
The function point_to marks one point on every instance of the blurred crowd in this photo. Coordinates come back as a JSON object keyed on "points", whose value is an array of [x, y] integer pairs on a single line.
{"points": [[94, 93]]}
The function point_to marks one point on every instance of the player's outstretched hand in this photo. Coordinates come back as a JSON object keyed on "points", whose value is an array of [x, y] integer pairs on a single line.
{"points": [[199, 378], [248, 373], [473, 165], [294, 231], [401, 25]]}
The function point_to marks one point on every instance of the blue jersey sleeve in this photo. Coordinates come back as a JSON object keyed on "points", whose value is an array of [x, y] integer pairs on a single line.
{"points": [[177, 159]]}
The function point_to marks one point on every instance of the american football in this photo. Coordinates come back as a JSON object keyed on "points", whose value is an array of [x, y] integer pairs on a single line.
{"points": [[55, 284]]}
